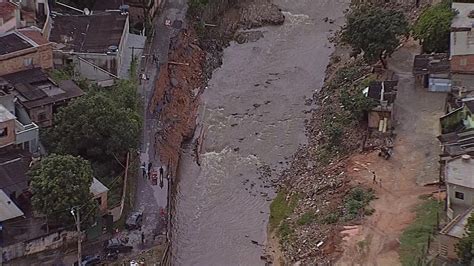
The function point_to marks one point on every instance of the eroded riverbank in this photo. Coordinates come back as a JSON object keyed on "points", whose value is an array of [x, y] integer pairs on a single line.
{"points": [[253, 113]]}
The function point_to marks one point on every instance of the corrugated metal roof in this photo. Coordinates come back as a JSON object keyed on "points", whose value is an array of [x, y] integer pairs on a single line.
{"points": [[97, 187], [8, 209]]}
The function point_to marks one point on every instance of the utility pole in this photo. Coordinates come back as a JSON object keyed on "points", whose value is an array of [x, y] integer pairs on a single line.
{"points": [[77, 218]]}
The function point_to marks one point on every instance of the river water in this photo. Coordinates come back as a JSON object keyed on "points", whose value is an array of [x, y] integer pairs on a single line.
{"points": [[253, 112]]}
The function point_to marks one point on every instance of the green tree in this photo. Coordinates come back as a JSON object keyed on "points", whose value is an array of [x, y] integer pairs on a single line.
{"points": [[101, 126], [58, 183], [374, 31], [433, 27], [465, 247]]}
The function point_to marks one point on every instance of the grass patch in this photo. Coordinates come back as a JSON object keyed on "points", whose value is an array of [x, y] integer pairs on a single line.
{"points": [[280, 209], [414, 239], [331, 218], [307, 218], [285, 231], [356, 201]]}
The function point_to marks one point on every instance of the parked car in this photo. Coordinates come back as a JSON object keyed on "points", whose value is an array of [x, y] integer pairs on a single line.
{"points": [[134, 221], [116, 245], [90, 260]]}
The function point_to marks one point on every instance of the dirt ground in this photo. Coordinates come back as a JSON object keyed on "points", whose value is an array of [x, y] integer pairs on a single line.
{"points": [[401, 179]]}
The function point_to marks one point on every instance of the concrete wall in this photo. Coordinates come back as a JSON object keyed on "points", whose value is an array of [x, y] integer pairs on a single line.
{"points": [[462, 43], [47, 242], [7, 25], [453, 202], [10, 137], [41, 56]]}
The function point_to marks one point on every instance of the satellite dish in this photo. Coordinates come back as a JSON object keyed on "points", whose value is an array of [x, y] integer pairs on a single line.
{"points": [[87, 12]]}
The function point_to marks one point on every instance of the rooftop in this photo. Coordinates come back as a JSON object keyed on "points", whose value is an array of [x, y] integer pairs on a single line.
{"points": [[431, 64], [34, 34], [35, 88], [457, 227], [5, 115], [13, 168], [12, 42], [459, 171], [97, 187], [96, 33], [463, 20], [7, 11], [376, 88], [8, 209]]}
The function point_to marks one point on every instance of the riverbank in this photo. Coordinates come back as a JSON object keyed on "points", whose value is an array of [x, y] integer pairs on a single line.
{"points": [[253, 115]]}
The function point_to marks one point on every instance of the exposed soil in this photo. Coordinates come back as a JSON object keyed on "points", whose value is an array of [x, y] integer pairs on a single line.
{"points": [[176, 96]]}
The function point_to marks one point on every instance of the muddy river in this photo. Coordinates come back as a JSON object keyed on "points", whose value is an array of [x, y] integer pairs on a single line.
{"points": [[253, 112]]}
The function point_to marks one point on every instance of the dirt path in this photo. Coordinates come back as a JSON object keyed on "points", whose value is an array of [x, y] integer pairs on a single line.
{"points": [[414, 162]]}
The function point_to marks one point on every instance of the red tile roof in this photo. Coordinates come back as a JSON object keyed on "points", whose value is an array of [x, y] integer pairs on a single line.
{"points": [[34, 35]]}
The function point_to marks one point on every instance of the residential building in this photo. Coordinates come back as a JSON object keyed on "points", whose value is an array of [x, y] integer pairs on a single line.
{"points": [[9, 16], [432, 72], [39, 95], [100, 194], [458, 174], [20, 50], [95, 44], [450, 235], [381, 117], [462, 48], [137, 9], [16, 129]]}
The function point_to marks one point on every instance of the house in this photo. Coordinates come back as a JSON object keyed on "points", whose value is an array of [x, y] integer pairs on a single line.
{"points": [[137, 9], [8, 212], [462, 47], [39, 95], [20, 50], [9, 16], [458, 174], [432, 71], [100, 194], [450, 235], [94, 44], [383, 93], [460, 118]]}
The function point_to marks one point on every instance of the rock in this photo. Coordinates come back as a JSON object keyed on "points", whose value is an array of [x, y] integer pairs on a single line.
{"points": [[256, 105], [174, 82]]}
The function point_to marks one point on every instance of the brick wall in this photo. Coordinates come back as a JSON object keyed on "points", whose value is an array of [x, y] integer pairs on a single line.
{"points": [[462, 64], [10, 137], [42, 116], [41, 56]]}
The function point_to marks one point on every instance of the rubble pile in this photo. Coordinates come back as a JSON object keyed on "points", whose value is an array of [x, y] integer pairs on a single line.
{"points": [[176, 96]]}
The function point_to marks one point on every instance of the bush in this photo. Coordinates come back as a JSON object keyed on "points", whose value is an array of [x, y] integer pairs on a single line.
{"points": [[280, 208], [356, 201], [331, 218], [306, 218]]}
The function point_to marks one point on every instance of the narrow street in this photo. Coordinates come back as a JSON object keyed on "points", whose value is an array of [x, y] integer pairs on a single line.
{"points": [[403, 176]]}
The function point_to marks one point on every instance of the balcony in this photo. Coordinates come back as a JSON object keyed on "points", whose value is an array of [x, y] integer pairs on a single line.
{"points": [[27, 135]]}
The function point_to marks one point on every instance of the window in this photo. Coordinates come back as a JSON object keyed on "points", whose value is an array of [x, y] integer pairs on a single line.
{"points": [[3, 132], [459, 195], [28, 61], [42, 116], [463, 61]]}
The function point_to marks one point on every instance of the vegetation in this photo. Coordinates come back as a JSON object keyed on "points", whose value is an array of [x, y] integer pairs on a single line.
{"points": [[280, 209], [356, 103], [60, 182], [414, 239], [375, 31], [433, 27], [101, 126], [356, 202], [307, 218], [465, 246]]}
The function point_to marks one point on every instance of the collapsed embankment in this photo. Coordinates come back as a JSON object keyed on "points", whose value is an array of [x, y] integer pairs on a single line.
{"points": [[176, 96]]}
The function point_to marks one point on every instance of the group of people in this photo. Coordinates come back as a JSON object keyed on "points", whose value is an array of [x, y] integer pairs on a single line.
{"points": [[146, 171]]}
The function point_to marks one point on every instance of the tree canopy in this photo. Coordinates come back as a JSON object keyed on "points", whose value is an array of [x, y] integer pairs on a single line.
{"points": [[99, 126], [465, 246], [374, 31], [60, 182], [433, 27]]}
